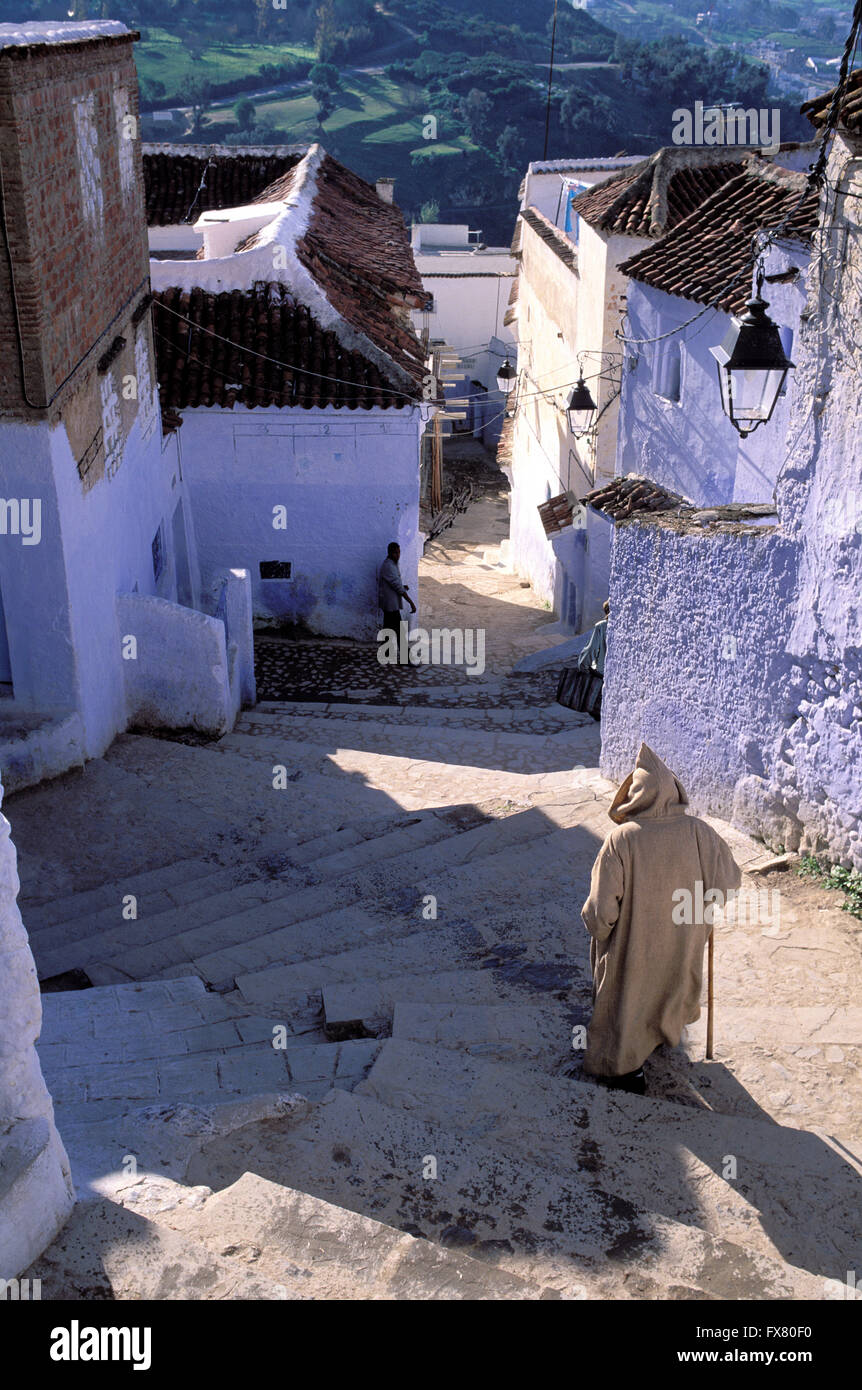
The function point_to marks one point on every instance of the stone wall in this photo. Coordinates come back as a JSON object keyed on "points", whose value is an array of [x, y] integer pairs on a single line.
{"points": [[36, 1193], [736, 650]]}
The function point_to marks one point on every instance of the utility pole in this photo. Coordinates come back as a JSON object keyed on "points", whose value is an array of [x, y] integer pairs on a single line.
{"points": [[550, 81]]}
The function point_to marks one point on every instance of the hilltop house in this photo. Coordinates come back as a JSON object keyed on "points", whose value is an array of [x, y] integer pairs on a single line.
{"points": [[286, 349], [567, 305], [672, 428], [735, 636]]}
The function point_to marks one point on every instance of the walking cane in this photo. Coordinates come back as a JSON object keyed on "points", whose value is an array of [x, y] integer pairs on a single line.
{"points": [[710, 995]]}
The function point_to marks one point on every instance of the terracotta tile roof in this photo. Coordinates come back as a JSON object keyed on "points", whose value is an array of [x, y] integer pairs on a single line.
{"points": [[341, 307], [556, 514], [506, 441], [512, 305], [850, 111], [172, 179], [626, 496], [707, 257], [357, 248], [559, 243], [198, 368], [658, 193]]}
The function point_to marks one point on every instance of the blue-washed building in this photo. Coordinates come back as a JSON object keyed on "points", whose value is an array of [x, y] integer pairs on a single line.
{"points": [[735, 639]]}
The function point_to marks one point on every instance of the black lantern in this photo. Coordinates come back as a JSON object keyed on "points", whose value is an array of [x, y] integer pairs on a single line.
{"points": [[752, 366], [581, 408], [506, 378]]}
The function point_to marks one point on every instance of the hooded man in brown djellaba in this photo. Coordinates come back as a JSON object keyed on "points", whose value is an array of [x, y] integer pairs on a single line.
{"points": [[646, 954]]}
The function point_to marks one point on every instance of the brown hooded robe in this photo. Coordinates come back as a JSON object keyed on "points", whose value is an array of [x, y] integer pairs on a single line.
{"points": [[647, 971]]}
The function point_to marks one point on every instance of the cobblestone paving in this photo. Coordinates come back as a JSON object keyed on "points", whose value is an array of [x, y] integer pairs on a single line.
{"points": [[322, 671]]}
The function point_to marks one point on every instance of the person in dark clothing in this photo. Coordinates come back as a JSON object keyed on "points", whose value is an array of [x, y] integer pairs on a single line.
{"points": [[391, 589]]}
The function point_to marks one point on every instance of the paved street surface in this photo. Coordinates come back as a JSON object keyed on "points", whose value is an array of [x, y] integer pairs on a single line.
{"points": [[341, 1014]]}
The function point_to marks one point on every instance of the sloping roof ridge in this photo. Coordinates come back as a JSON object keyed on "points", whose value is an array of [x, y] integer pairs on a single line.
{"points": [[630, 180], [221, 151], [559, 243], [669, 161], [241, 270]]}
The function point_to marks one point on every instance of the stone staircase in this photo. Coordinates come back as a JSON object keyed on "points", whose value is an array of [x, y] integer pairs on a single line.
{"points": [[339, 1065]]}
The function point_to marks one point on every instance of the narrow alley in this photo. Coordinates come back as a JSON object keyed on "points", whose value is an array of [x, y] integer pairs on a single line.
{"points": [[355, 974]]}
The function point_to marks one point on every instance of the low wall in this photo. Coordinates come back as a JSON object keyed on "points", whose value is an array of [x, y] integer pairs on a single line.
{"points": [[175, 665], [36, 1193]]}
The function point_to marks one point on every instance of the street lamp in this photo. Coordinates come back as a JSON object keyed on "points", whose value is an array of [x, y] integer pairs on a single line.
{"points": [[752, 366], [581, 408], [506, 378]]}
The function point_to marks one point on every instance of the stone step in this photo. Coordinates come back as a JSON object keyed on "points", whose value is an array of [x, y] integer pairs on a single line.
{"points": [[370, 1004], [310, 748], [282, 987], [106, 1252], [556, 1230], [99, 1092], [285, 717], [793, 1196], [228, 942], [150, 882], [338, 1254], [267, 875], [83, 943], [538, 1034], [134, 1045]]}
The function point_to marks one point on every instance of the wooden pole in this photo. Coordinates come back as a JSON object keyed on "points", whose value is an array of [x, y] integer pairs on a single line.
{"points": [[710, 995]]}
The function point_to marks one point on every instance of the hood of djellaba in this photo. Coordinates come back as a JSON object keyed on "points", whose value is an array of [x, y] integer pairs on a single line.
{"points": [[651, 790]]}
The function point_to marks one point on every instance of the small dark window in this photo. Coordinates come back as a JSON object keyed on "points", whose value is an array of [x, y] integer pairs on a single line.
{"points": [[275, 569], [158, 553]]}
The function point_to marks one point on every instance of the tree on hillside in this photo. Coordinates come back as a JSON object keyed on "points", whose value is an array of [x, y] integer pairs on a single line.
{"points": [[325, 86], [245, 113], [476, 110], [196, 93], [511, 146]]}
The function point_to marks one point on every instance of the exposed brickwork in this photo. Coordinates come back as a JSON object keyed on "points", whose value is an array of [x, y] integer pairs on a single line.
{"points": [[75, 226]]}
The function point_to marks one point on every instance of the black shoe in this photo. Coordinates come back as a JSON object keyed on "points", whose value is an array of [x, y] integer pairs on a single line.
{"points": [[632, 1081]]}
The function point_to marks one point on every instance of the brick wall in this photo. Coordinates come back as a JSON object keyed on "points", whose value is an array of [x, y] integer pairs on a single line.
{"points": [[74, 214]]}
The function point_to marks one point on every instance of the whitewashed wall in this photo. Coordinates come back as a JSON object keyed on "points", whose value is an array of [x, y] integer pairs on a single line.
{"points": [[59, 595], [563, 312], [689, 445], [36, 1193], [348, 482]]}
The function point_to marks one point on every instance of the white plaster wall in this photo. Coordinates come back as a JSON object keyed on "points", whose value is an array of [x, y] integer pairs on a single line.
{"points": [[107, 549], [183, 237], [690, 446], [542, 190], [561, 313], [36, 1193], [349, 482], [176, 675], [468, 313]]}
